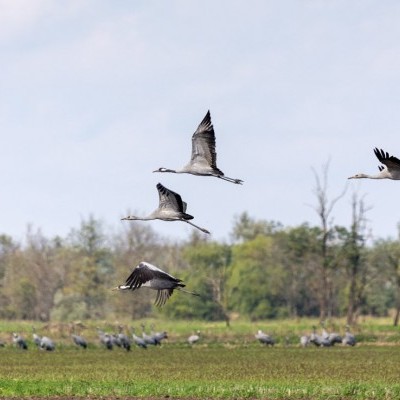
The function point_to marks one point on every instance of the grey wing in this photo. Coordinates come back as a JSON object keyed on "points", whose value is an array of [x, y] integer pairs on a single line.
{"points": [[162, 296], [203, 143], [390, 161], [159, 273], [140, 275], [169, 199]]}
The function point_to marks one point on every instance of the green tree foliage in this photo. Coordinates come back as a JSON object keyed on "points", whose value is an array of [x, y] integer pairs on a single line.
{"points": [[386, 262], [299, 249], [208, 263], [256, 282], [89, 268], [247, 228], [269, 271]]}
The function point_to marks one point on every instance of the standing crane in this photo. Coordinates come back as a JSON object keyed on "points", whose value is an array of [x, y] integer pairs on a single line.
{"points": [[105, 339], [304, 340], [20, 341], [138, 340], [203, 161], [148, 275], [349, 339], [331, 337], [158, 336], [192, 339], [170, 208], [149, 339], [264, 338], [47, 344], [78, 339], [123, 339], [319, 340], [389, 170], [36, 338]]}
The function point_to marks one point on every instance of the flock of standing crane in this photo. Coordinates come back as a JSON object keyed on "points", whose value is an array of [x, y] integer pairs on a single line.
{"points": [[124, 341]]}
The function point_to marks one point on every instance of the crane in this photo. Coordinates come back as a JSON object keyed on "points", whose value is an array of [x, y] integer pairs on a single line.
{"points": [[148, 275], [149, 339], [304, 340], [318, 340], [349, 339], [331, 337], [20, 341], [264, 338], [203, 161], [36, 338], [158, 336], [192, 339], [389, 170], [105, 339], [124, 339], [47, 344], [138, 340], [170, 208], [77, 339]]}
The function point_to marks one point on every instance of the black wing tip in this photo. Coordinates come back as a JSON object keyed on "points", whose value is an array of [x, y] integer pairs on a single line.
{"points": [[206, 123], [380, 154]]}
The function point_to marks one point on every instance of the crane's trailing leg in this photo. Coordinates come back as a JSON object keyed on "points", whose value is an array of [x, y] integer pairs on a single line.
{"points": [[198, 227], [225, 178]]}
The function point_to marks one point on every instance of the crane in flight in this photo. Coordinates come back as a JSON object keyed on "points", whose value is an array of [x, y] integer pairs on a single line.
{"points": [[170, 208], [204, 157], [148, 275], [389, 170]]}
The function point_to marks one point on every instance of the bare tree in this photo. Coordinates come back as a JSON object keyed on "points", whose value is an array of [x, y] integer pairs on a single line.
{"points": [[355, 262], [324, 208]]}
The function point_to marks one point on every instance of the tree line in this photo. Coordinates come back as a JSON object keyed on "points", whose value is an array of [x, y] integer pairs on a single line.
{"points": [[267, 270]]}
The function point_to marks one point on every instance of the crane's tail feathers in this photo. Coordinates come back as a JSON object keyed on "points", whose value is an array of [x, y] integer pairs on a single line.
{"points": [[198, 227]]}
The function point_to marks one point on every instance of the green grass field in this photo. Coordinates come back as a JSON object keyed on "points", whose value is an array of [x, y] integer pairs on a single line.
{"points": [[254, 372], [228, 363]]}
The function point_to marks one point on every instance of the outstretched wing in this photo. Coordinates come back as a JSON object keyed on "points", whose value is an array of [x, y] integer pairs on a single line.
{"points": [[162, 296], [391, 162], [139, 276], [203, 143], [145, 272], [170, 199]]}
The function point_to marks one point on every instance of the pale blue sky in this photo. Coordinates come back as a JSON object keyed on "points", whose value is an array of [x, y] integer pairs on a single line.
{"points": [[94, 95]]}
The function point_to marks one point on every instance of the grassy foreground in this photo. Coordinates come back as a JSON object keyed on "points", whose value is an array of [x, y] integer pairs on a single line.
{"points": [[364, 372]]}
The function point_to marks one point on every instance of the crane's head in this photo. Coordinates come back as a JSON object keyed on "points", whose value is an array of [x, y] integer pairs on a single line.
{"points": [[130, 218], [162, 169], [358, 176]]}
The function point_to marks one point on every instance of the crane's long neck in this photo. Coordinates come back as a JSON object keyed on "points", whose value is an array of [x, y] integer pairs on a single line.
{"points": [[134, 218], [377, 176], [381, 175]]}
